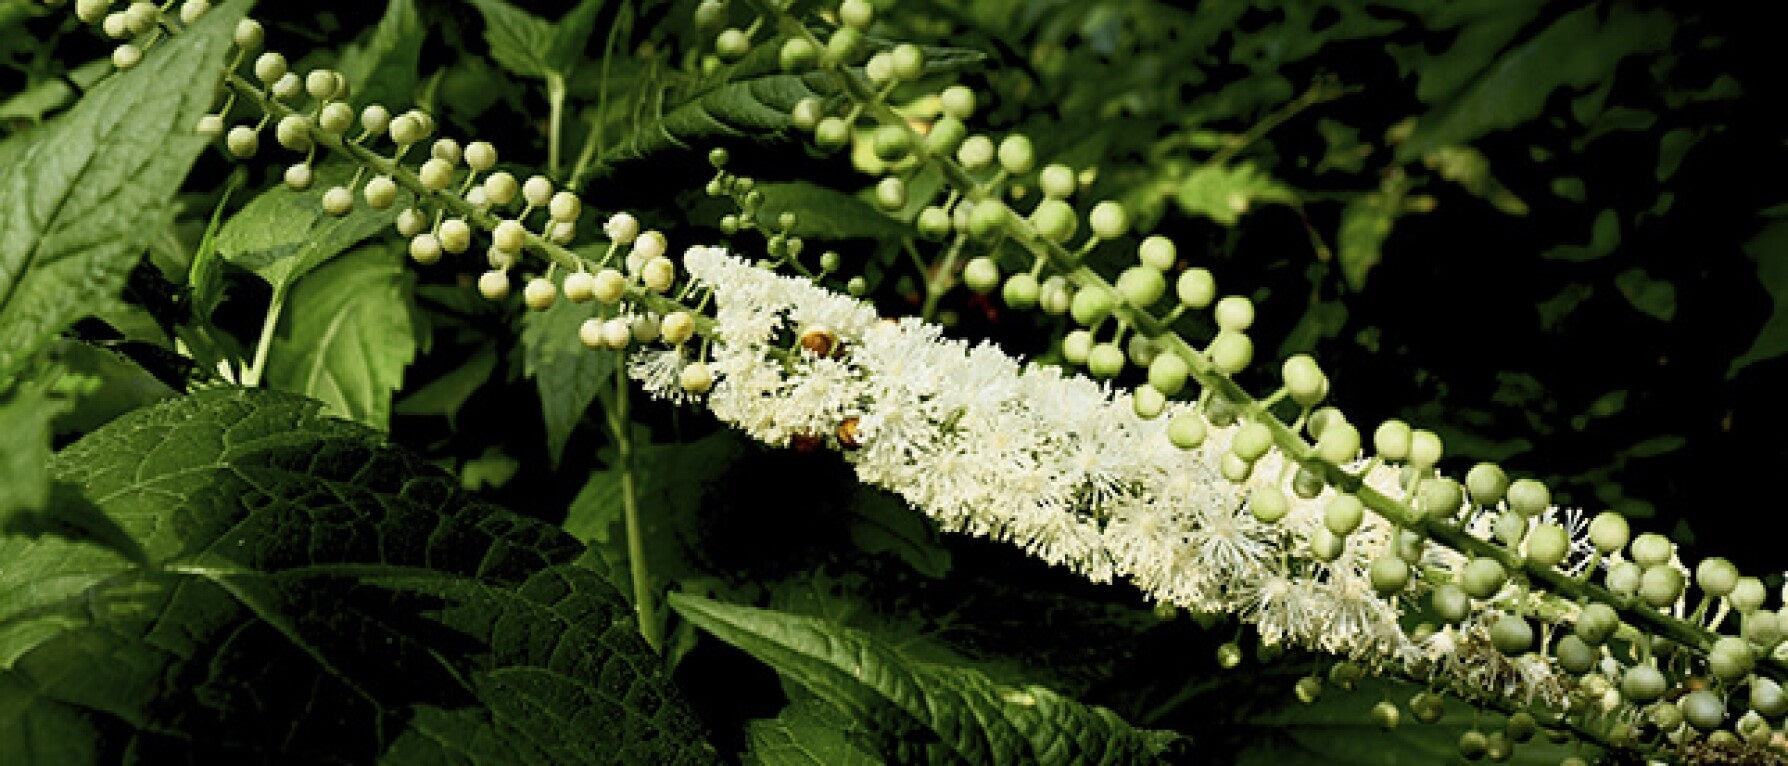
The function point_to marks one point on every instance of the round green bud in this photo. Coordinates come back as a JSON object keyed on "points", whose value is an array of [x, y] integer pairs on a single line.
{"points": [[1386, 715], [1106, 360], [1391, 439], [337, 201], [1451, 603], [976, 152], [831, 134], [1716, 576], [1497, 747], [435, 174], [1055, 220], [1339, 443], [1308, 689], [1109, 219], [1623, 578], [846, 45], [1077, 345], [1441, 497], [909, 61], [1186, 430], [1643, 683], [425, 248], [1651, 549], [732, 45], [1268, 504], [1230, 351], [987, 218], [957, 102], [856, 14], [1390, 575], [1575, 656], [857, 286], [1322, 418], [1521, 726], [1343, 515], [1091, 305], [1232, 467], [1141, 285], [1730, 658], [1597, 623], [891, 142], [1229, 655], [1346, 674], [890, 193], [1168, 372], [1303, 379], [806, 113], [1325, 546], [946, 134], [1747, 596], [1235, 313], [1148, 402], [1307, 484], [269, 67], [242, 141], [1196, 288], [981, 275], [1608, 532], [1427, 707], [1056, 181], [1660, 585], [798, 54], [934, 223], [1015, 154], [1482, 577], [1548, 545], [1509, 529], [710, 15], [1473, 744], [1763, 628], [1020, 291], [1528, 497], [299, 176], [829, 260], [1158, 252], [1768, 699], [1511, 634], [1056, 296], [249, 35], [380, 192], [1703, 709], [1424, 449], [1487, 483], [1252, 441]]}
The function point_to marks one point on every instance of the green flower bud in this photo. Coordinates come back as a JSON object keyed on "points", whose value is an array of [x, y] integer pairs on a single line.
{"points": [[1055, 220], [1235, 313], [1482, 577], [1548, 545], [1196, 288], [1268, 504], [1015, 154], [1528, 497], [1343, 515], [1106, 360], [946, 134], [958, 102], [981, 275], [976, 152], [1230, 351], [1109, 220], [1186, 430], [1141, 285], [1487, 483], [1020, 291], [1056, 181], [1390, 575]]}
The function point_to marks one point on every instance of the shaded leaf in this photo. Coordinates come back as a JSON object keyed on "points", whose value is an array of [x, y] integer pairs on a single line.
{"points": [[1654, 297], [25, 416], [346, 335], [383, 69], [754, 109], [446, 394], [399, 619], [283, 234], [883, 523], [808, 733], [79, 202], [567, 373], [925, 711], [1225, 192], [1769, 248], [823, 213], [668, 483]]}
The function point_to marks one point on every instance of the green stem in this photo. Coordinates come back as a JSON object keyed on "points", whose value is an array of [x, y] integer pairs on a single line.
{"points": [[936, 286], [555, 100], [251, 377], [643, 598]]}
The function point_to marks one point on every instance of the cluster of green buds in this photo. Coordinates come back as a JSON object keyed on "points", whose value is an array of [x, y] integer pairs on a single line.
{"points": [[138, 26]]}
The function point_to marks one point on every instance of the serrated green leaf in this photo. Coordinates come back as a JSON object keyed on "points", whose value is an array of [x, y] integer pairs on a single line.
{"points": [[1581, 48], [283, 234], [807, 733], [531, 46], [754, 109], [313, 595], [1225, 192], [567, 374], [383, 69], [925, 711], [78, 203], [347, 335]]}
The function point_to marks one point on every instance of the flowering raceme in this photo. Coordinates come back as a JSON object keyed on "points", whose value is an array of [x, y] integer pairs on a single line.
{"points": [[1064, 468]]}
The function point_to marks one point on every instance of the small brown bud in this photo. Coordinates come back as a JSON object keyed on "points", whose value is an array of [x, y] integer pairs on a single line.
{"points": [[820, 341], [847, 433], [805, 442]]}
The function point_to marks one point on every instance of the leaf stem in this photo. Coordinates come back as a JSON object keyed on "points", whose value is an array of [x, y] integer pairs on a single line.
{"points": [[251, 377], [643, 607]]}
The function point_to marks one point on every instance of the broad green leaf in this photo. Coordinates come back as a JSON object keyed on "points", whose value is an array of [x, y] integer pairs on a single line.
{"points": [[79, 203], [924, 711], [1580, 49], [567, 373], [668, 483], [31, 104], [1769, 248], [808, 733], [1654, 297], [346, 335], [25, 416], [753, 109], [315, 595], [883, 523], [1225, 192], [283, 234], [445, 395], [383, 69], [1337, 730], [533, 47], [116, 385]]}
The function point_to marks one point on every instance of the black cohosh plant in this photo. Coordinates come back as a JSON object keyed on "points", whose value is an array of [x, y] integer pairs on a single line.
{"points": [[1339, 538]]}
